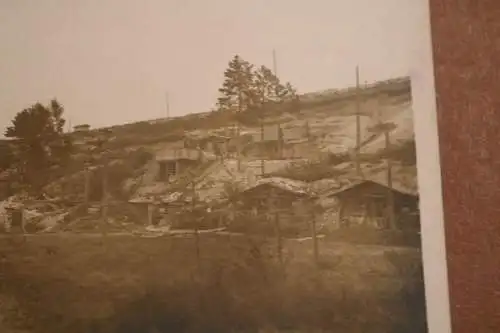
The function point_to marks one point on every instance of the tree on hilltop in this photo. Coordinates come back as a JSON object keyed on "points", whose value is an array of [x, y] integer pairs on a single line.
{"points": [[246, 87], [267, 87], [40, 142], [236, 88]]}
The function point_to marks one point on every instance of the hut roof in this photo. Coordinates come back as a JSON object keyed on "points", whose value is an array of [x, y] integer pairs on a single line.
{"points": [[295, 186], [395, 187]]}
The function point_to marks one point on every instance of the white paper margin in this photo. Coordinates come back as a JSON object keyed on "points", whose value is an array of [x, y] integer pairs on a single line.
{"points": [[429, 175]]}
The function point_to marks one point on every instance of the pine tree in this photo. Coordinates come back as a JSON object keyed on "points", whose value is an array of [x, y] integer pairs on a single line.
{"points": [[245, 87], [236, 91], [236, 88], [267, 88]]}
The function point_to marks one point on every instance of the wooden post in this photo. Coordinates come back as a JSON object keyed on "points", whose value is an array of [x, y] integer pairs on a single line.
{"points": [[87, 187], [308, 132], [280, 141], [167, 104], [277, 227], [371, 215], [278, 237], [365, 219], [340, 214], [273, 217], [358, 126], [275, 64], [390, 196], [262, 137], [23, 223], [150, 214], [262, 160], [104, 202], [196, 234], [314, 238], [238, 143]]}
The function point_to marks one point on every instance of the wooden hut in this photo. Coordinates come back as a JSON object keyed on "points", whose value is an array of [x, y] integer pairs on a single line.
{"points": [[365, 203], [271, 204]]}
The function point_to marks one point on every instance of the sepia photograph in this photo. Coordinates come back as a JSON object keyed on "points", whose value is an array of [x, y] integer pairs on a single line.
{"points": [[216, 166]]}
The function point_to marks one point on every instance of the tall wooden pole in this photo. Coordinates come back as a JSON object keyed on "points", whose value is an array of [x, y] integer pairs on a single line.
{"points": [[23, 221], [358, 111], [104, 201], [238, 148], [262, 160], [87, 186], [167, 105], [280, 142], [390, 206], [275, 63], [274, 214], [315, 238], [262, 137], [278, 236], [308, 131], [196, 234], [358, 125]]}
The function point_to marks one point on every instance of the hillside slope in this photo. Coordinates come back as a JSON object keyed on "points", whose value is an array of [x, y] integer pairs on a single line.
{"points": [[325, 112], [329, 117], [325, 124]]}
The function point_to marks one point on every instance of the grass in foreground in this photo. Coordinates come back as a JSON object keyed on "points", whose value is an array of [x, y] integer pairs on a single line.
{"points": [[161, 285]]}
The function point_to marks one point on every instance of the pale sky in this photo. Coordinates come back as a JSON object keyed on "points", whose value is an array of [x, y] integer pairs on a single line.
{"points": [[112, 61]]}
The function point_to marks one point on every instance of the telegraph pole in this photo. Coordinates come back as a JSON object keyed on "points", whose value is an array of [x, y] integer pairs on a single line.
{"points": [[358, 125], [262, 161], [275, 64], [167, 105], [238, 143], [104, 200], [196, 233], [358, 111]]}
